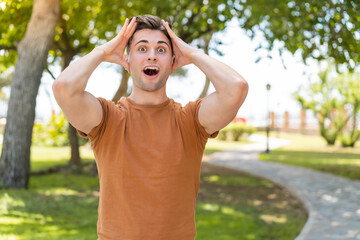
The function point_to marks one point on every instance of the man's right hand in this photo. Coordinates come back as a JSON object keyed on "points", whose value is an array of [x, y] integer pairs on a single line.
{"points": [[114, 50]]}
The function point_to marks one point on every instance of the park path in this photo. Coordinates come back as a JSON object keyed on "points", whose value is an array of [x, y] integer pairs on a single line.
{"points": [[332, 202]]}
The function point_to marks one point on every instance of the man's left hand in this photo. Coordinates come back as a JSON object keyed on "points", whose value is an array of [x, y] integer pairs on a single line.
{"points": [[182, 51]]}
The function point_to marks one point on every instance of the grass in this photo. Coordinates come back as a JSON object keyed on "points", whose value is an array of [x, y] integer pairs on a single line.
{"points": [[215, 145], [233, 205], [313, 152], [230, 204]]}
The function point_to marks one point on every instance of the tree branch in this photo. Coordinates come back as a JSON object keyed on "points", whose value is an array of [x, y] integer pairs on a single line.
{"points": [[48, 70], [4, 47]]}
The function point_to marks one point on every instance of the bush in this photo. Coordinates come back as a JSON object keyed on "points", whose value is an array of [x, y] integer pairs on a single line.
{"points": [[235, 131], [222, 134], [54, 133], [348, 139]]}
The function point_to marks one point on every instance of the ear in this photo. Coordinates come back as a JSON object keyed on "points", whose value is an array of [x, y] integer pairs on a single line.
{"points": [[173, 59]]}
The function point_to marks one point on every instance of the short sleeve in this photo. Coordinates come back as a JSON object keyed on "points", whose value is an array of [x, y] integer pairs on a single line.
{"points": [[194, 108], [97, 131]]}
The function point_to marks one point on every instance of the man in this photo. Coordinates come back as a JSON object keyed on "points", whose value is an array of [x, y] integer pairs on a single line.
{"points": [[148, 148]]}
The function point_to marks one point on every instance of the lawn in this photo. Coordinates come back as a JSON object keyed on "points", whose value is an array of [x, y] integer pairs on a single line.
{"points": [[313, 152], [230, 204]]}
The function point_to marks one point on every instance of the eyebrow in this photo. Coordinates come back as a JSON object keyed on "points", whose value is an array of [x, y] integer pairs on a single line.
{"points": [[146, 41]]}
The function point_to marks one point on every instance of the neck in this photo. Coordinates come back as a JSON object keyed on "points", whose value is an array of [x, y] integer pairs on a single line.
{"points": [[142, 97]]}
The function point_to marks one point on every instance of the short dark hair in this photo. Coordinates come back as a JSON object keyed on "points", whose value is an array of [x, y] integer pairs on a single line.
{"points": [[153, 23]]}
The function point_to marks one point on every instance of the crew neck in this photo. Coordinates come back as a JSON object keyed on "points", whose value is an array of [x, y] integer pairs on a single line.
{"points": [[148, 105]]}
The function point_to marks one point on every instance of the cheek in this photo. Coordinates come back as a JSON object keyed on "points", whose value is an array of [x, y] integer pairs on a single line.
{"points": [[167, 60], [135, 62]]}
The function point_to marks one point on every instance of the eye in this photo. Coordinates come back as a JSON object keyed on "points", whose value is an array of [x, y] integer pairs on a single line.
{"points": [[142, 49], [161, 50]]}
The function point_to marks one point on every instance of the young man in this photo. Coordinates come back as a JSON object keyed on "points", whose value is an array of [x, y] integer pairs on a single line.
{"points": [[148, 148]]}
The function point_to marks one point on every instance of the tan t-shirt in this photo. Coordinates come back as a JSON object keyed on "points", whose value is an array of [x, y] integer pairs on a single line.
{"points": [[148, 158]]}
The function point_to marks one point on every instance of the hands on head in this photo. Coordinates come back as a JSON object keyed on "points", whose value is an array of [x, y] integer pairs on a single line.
{"points": [[182, 50], [114, 50]]}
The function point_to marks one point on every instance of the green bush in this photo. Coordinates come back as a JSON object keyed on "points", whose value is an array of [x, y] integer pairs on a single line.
{"points": [[54, 133], [235, 131], [348, 139], [222, 134]]}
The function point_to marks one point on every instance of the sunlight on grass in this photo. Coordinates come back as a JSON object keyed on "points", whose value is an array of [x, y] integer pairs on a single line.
{"points": [[237, 181], [59, 191], [210, 207], [45, 157], [273, 219], [6, 202]]}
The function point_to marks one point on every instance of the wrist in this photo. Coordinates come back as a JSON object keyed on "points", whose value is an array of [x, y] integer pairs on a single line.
{"points": [[195, 54], [99, 52]]}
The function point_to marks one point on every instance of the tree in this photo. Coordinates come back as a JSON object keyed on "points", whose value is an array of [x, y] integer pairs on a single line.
{"points": [[319, 29], [349, 87], [32, 54], [335, 100], [83, 25]]}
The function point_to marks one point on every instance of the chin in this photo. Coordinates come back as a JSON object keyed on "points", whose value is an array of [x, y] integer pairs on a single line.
{"points": [[151, 87]]}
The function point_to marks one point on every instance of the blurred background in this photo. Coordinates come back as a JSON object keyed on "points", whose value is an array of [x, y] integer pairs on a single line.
{"points": [[300, 59]]}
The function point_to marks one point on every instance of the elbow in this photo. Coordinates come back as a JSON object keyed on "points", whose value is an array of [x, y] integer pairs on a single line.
{"points": [[240, 91], [60, 88], [57, 86], [241, 87]]}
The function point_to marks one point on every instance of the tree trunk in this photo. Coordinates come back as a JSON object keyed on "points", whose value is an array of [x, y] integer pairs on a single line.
{"points": [[74, 144], [75, 158], [123, 86], [206, 88], [207, 81], [32, 59]]}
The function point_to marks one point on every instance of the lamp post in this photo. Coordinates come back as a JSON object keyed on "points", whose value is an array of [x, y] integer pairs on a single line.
{"points": [[268, 87]]}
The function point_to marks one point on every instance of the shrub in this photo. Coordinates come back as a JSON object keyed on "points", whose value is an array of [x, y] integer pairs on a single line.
{"points": [[348, 139], [235, 131], [222, 136], [54, 133]]}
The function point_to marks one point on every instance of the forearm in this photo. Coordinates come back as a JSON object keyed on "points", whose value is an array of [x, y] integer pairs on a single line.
{"points": [[74, 78], [227, 81]]}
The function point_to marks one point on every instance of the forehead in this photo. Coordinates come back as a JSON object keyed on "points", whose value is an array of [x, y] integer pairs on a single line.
{"points": [[152, 36]]}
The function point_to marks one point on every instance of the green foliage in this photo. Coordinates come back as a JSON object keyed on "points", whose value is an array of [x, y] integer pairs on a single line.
{"points": [[235, 131], [348, 139], [318, 29], [54, 133], [222, 134], [335, 100]]}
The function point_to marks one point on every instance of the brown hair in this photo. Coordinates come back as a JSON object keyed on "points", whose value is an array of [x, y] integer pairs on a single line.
{"points": [[153, 23]]}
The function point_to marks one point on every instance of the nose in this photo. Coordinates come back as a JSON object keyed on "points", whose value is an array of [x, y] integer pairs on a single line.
{"points": [[152, 55]]}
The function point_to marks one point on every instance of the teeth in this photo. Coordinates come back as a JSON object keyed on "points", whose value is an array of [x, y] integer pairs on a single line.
{"points": [[151, 68]]}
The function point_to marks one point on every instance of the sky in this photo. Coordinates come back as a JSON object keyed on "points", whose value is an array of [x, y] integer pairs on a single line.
{"points": [[239, 53]]}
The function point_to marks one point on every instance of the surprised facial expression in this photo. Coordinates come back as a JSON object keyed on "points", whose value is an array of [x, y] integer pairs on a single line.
{"points": [[150, 59]]}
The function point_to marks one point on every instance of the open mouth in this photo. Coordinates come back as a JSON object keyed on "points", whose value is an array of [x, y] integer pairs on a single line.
{"points": [[151, 71]]}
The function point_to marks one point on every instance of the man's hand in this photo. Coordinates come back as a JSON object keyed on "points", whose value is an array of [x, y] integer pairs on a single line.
{"points": [[114, 50], [220, 107], [182, 51]]}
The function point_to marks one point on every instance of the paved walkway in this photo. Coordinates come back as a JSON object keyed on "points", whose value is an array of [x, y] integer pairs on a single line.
{"points": [[333, 203]]}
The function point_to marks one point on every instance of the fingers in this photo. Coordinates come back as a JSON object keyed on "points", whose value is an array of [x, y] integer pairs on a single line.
{"points": [[128, 28], [131, 28], [124, 27], [168, 29]]}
